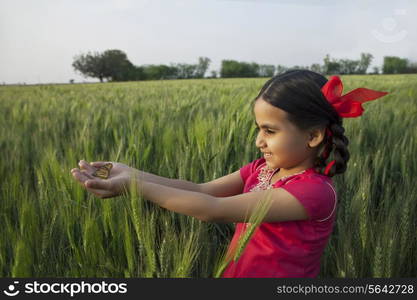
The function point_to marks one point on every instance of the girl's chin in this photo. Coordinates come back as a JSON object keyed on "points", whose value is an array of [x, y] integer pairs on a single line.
{"points": [[271, 165]]}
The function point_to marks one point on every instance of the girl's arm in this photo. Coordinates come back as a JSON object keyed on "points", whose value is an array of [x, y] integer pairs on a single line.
{"points": [[228, 185], [205, 207], [194, 204], [175, 183], [284, 207]]}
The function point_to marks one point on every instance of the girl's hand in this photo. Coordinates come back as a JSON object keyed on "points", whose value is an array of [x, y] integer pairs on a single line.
{"points": [[116, 184]]}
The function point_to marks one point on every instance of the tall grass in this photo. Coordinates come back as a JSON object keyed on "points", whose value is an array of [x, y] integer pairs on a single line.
{"points": [[195, 130], [253, 222]]}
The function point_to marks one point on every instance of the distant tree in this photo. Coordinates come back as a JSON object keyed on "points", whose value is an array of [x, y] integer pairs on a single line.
{"points": [[297, 67], [317, 68], [232, 68], [375, 70], [71, 81], [364, 63], [112, 65], [266, 70], [411, 67], [158, 72], [202, 66], [281, 69], [136, 73], [213, 74], [394, 65], [348, 66], [185, 71], [331, 66], [90, 65], [116, 65]]}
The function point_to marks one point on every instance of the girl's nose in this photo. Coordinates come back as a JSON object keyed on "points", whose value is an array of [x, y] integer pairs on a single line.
{"points": [[260, 143]]}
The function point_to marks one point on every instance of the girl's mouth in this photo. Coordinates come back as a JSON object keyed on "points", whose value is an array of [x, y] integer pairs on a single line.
{"points": [[267, 154]]}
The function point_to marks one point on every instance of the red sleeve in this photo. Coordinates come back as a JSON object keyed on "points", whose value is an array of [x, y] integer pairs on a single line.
{"points": [[249, 168], [315, 194]]}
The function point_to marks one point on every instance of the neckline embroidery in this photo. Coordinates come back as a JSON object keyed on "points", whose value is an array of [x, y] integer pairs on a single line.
{"points": [[265, 176]]}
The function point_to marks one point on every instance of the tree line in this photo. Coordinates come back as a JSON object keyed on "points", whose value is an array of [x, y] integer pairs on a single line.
{"points": [[113, 65]]}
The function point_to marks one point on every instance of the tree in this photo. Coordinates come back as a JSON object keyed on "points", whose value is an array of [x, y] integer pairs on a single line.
{"points": [[116, 65], [112, 65], [136, 73], [331, 66], [184, 71], [348, 66], [297, 67], [364, 63], [266, 70], [232, 68], [159, 72], [90, 65], [411, 67], [203, 64], [394, 65], [316, 68], [375, 70], [281, 69]]}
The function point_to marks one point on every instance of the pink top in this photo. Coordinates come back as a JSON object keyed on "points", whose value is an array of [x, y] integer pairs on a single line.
{"points": [[289, 248]]}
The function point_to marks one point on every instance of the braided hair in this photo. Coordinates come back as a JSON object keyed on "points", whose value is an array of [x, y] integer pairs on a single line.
{"points": [[298, 92]]}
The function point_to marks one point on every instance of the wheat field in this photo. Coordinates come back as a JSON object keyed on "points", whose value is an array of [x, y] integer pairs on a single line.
{"points": [[195, 130]]}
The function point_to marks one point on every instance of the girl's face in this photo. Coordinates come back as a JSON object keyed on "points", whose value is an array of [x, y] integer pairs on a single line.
{"points": [[285, 143]]}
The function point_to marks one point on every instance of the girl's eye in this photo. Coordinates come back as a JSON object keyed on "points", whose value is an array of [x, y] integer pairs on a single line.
{"points": [[267, 131]]}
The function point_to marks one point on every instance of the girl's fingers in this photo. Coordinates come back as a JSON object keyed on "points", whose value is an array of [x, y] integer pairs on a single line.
{"points": [[89, 176], [86, 166], [100, 193], [82, 177], [99, 184]]}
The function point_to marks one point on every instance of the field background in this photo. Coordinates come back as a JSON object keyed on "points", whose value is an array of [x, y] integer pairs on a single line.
{"points": [[196, 130]]}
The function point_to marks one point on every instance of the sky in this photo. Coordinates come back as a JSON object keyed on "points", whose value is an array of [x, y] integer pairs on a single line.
{"points": [[40, 38]]}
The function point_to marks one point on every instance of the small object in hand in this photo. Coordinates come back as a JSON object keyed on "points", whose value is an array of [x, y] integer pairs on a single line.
{"points": [[103, 171]]}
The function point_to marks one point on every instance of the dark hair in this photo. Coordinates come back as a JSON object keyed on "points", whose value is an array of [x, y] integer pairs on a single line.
{"points": [[298, 92]]}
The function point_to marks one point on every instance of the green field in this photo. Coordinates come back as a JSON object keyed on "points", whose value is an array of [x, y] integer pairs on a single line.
{"points": [[195, 130]]}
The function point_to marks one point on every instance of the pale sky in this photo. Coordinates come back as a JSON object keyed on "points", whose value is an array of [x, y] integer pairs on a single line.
{"points": [[39, 38]]}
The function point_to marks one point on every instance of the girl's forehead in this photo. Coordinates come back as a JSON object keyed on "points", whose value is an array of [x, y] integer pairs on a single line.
{"points": [[265, 111]]}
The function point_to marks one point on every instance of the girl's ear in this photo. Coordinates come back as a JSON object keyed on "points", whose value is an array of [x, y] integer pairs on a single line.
{"points": [[316, 137]]}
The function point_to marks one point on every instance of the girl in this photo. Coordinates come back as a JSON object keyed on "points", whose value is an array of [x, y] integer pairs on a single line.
{"points": [[299, 114]]}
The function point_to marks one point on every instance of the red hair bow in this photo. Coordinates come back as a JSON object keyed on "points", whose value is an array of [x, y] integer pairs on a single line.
{"points": [[348, 105]]}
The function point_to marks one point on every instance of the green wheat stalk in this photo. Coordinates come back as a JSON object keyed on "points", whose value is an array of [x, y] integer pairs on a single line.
{"points": [[260, 210]]}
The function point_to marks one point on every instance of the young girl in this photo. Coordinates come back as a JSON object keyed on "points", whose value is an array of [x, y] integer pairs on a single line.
{"points": [[299, 114]]}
